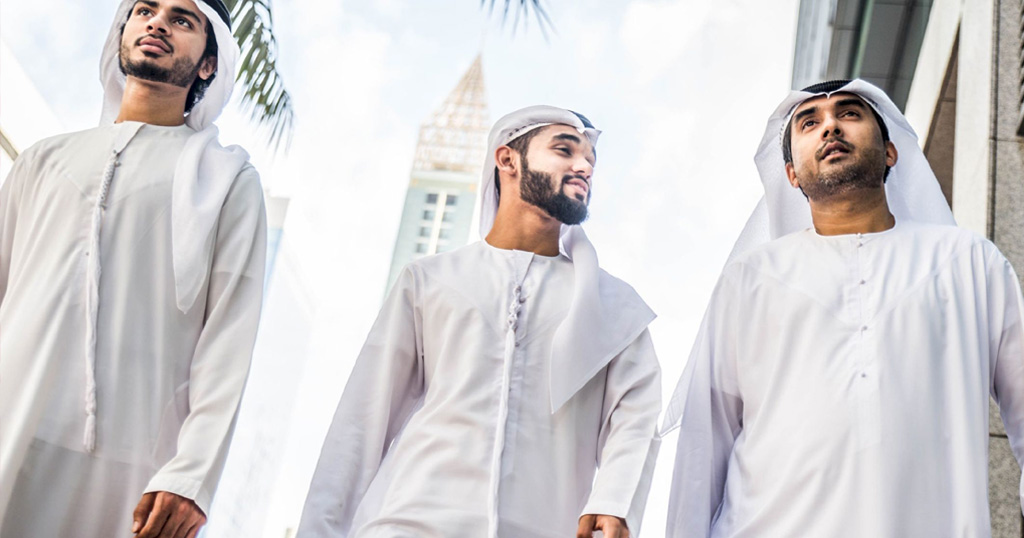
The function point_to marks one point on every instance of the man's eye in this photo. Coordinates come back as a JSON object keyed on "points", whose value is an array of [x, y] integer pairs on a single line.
{"points": [[807, 123], [565, 151], [184, 22], [143, 11], [852, 113]]}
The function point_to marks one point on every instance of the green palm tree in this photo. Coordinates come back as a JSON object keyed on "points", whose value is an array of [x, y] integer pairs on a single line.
{"points": [[264, 95]]}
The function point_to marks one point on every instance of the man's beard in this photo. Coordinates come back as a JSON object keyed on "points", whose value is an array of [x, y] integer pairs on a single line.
{"points": [[182, 73], [866, 172], [535, 188]]}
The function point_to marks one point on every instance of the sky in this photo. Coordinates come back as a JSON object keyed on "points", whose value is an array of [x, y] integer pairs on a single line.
{"points": [[681, 90]]}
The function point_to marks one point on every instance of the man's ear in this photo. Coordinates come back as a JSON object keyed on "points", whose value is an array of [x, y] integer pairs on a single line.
{"points": [[207, 67], [791, 175], [507, 160], [891, 155]]}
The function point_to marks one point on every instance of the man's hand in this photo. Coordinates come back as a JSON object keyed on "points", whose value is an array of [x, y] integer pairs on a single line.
{"points": [[611, 526], [165, 515]]}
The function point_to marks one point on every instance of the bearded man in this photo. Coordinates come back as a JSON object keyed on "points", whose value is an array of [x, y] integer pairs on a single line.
{"points": [[500, 376], [840, 382], [131, 273]]}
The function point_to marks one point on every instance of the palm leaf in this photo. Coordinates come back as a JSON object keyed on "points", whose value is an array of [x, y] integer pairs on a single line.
{"points": [[264, 96], [522, 10]]}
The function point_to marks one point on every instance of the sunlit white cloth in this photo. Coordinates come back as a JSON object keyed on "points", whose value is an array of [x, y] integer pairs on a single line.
{"points": [[843, 388], [445, 426], [167, 382], [839, 386]]}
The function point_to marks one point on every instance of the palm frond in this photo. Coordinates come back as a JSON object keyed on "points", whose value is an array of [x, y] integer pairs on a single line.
{"points": [[521, 10], [264, 96]]}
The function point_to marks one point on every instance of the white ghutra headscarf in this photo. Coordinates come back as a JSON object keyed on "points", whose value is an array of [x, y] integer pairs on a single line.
{"points": [[205, 169], [204, 173], [605, 317], [911, 189]]}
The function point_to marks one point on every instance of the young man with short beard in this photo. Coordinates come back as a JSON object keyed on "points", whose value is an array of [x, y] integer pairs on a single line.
{"points": [[131, 275], [500, 376], [840, 382]]}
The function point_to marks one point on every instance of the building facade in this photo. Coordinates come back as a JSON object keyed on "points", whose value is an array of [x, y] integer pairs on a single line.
{"points": [[956, 67], [440, 203]]}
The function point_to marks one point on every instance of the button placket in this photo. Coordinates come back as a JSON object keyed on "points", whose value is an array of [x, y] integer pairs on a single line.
{"points": [[866, 387]]}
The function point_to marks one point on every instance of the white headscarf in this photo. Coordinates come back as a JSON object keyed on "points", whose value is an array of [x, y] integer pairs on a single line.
{"points": [[606, 315], [912, 191], [205, 169]]}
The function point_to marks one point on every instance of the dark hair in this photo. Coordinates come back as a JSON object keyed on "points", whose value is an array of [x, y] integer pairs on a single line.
{"points": [[199, 86], [520, 145]]}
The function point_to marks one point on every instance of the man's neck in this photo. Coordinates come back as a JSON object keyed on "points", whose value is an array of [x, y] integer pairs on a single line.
{"points": [[860, 211], [520, 226], [154, 103]]}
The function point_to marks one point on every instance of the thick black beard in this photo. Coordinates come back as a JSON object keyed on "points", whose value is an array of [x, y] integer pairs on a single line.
{"points": [[536, 189], [182, 73], [867, 172]]}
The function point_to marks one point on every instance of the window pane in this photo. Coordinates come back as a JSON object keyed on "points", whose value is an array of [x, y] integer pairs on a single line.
{"points": [[445, 234], [421, 248], [452, 199], [432, 198], [447, 217], [428, 215], [424, 232]]}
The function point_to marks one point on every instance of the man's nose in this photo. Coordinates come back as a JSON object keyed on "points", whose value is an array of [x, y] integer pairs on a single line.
{"points": [[829, 126], [157, 23], [583, 168]]}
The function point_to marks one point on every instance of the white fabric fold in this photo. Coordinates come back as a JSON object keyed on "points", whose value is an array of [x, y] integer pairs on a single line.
{"points": [[606, 314], [205, 169], [912, 191]]}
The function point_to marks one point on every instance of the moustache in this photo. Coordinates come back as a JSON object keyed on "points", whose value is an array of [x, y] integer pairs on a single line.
{"points": [[569, 177], [843, 144], [161, 38]]}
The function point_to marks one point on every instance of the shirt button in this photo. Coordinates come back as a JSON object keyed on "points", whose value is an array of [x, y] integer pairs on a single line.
{"points": [[864, 328], [862, 374], [862, 282]]}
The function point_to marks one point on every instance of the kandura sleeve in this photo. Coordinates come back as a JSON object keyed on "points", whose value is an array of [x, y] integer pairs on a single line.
{"points": [[383, 390], [9, 201], [20, 410], [628, 443], [1007, 333], [223, 353], [711, 419]]}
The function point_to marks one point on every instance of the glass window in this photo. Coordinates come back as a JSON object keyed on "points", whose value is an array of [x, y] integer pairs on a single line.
{"points": [[421, 248], [424, 231], [445, 234], [447, 217], [432, 198], [451, 200], [428, 215]]}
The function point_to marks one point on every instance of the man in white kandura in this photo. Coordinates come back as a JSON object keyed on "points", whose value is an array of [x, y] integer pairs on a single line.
{"points": [[840, 382], [498, 376], [131, 275]]}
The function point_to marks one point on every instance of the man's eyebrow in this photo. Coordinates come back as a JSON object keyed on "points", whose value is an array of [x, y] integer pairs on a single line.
{"points": [[187, 13], [851, 101], [804, 113], [179, 10], [567, 136]]}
